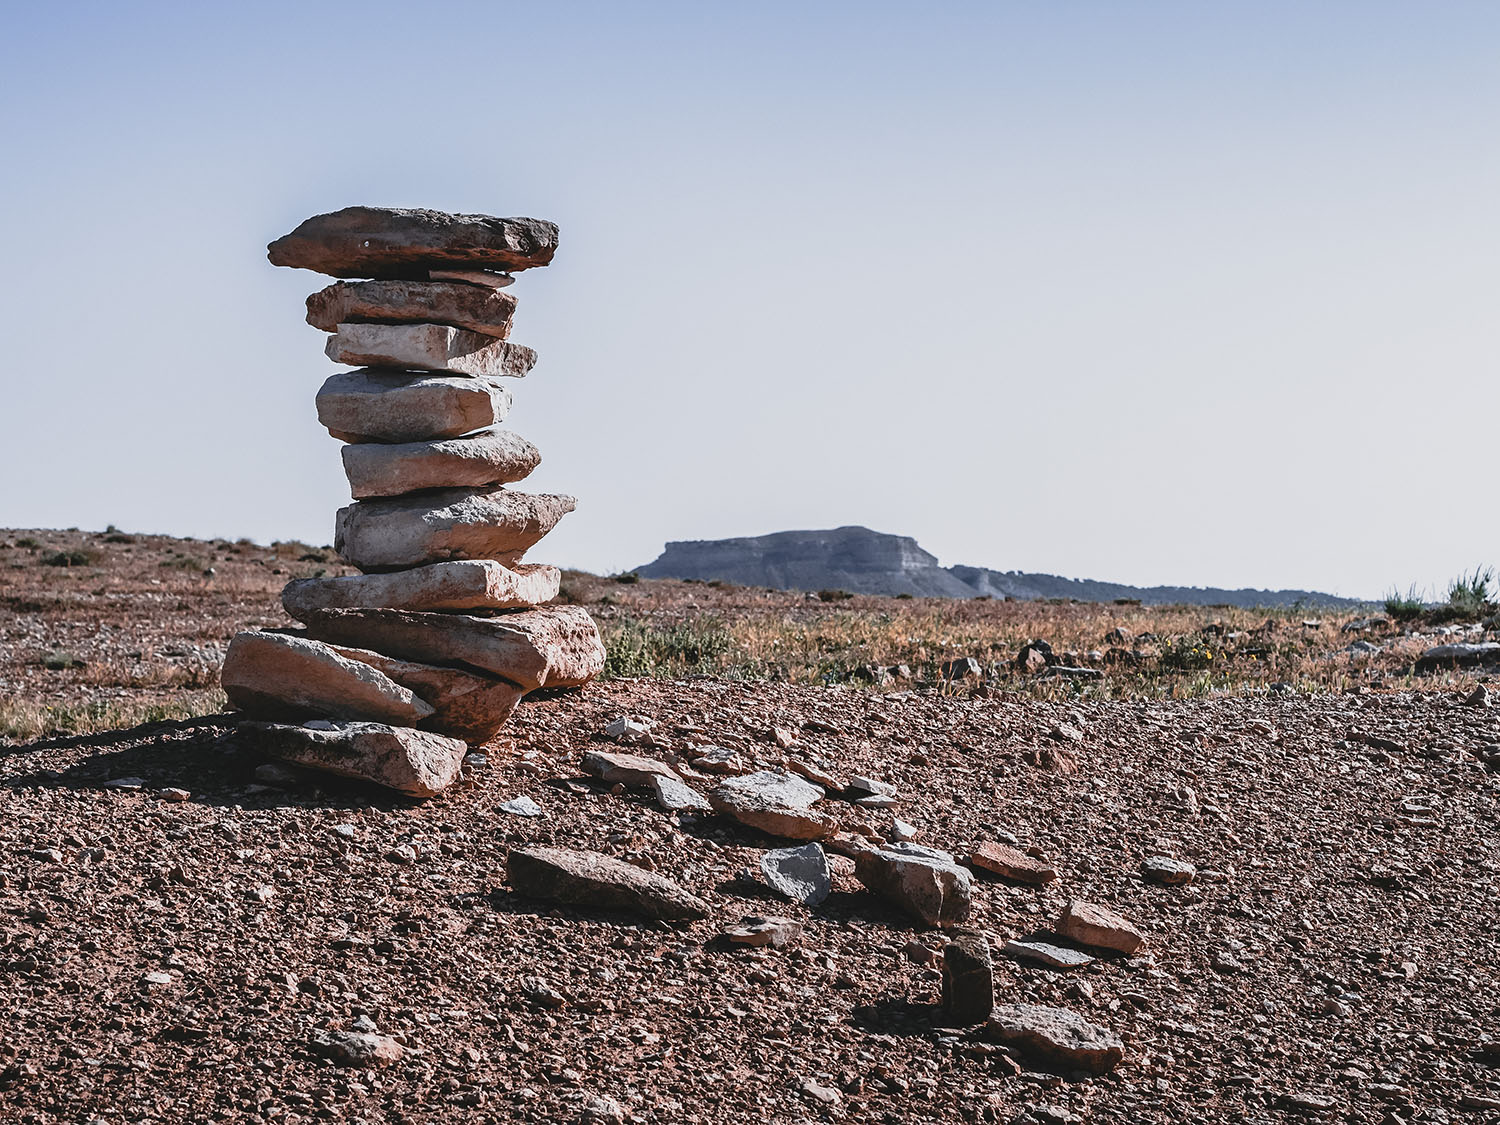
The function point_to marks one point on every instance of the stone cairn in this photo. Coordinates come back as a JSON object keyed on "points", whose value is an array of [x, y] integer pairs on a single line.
{"points": [[399, 669]]}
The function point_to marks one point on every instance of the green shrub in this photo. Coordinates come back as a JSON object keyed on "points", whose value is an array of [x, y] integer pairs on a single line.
{"points": [[1191, 653], [638, 648], [76, 557], [1404, 607], [629, 579], [834, 595]]}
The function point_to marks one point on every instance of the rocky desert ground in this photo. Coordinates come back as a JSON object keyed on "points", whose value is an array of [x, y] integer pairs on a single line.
{"points": [[189, 932]]}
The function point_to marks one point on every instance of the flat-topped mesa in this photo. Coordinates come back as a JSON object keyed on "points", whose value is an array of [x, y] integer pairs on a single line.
{"points": [[428, 347], [402, 406], [451, 523], [395, 242], [461, 305]]}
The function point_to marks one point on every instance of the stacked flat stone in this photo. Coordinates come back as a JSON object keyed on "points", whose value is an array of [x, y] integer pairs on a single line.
{"points": [[398, 670]]}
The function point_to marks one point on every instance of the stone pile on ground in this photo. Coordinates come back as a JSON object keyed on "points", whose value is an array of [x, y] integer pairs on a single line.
{"points": [[399, 669]]}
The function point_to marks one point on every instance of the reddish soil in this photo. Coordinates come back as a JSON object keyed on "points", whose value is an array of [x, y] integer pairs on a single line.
{"points": [[165, 960]]}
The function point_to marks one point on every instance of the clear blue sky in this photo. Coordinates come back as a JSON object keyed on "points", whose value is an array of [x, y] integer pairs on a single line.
{"points": [[1150, 292]]}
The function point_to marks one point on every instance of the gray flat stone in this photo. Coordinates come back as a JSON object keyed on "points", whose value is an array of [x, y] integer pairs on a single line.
{"points": [[677, 796], [625, 769], [401, 406], [779, 804], [461, 584], [428, 347], [582, 878], [799, 874], [489, 457], [451, 523], [407, 242], [477, 308], [1044, 953], [521, 806], [1055, 1037]]}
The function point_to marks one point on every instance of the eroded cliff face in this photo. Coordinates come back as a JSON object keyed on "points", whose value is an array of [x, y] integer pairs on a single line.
{"points": [[872, 562]]}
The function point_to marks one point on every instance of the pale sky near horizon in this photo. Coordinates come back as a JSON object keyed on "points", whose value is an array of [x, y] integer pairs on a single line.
{"points": [[1160, 293]]}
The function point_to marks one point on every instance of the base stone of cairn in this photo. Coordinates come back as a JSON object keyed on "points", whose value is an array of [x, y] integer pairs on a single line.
{"points": [[398, 670]]}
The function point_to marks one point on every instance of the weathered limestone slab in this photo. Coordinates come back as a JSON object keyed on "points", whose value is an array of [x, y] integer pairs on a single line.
{"points": [[454, 523], [779, 804], [558, 646], [416, 762], [428, 347], [582, 878], [462, 584], [278, 676], [922, 881], [1055, 1037], [399, 242], [465, 704], [399, 406], [1099, 927], [476, 307], [489, 457], [1012, 863]]}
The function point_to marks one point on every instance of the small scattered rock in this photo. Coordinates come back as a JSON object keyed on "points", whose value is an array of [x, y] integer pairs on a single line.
{"points": [[968, 977], [1161, 870], [1055, 1037], [673, 795], [522, 806], [629, 730], [924, 882], [1012, 863], [755, 930], [799, 874], [601, 1111], [1098, 927], [721, 760], [581, 878], [362, 1049], [778, 804], [625, 769], [1479, 697], [1044, 953], [174, 795]]}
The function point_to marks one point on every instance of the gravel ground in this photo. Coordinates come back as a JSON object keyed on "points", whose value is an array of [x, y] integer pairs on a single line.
{"points": [[177, 959]]}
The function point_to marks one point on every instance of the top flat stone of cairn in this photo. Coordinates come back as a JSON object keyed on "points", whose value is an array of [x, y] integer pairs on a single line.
{"points": [[398, 242]]}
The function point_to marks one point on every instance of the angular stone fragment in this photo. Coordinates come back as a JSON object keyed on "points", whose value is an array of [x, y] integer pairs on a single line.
{"points": [[557, 646], [582, 878], [755, 930], [924, 883], [488, 457], [278, 676], [1167, 872], [451, 523], [1055, 1037], [775, 803], [400, 406], [677, 796], [1099, 928], [461, 584], [1045, 953], [428, 347], [625, 769], [1459, 656], [1012, 863], [361, 1049], [968, 978], [465, 704], [406, 242], [418, 763], [799, 874], [474, 307]]}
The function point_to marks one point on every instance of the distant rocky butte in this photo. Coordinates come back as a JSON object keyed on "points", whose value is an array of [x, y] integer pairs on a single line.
{"points": [[862, 561]]}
